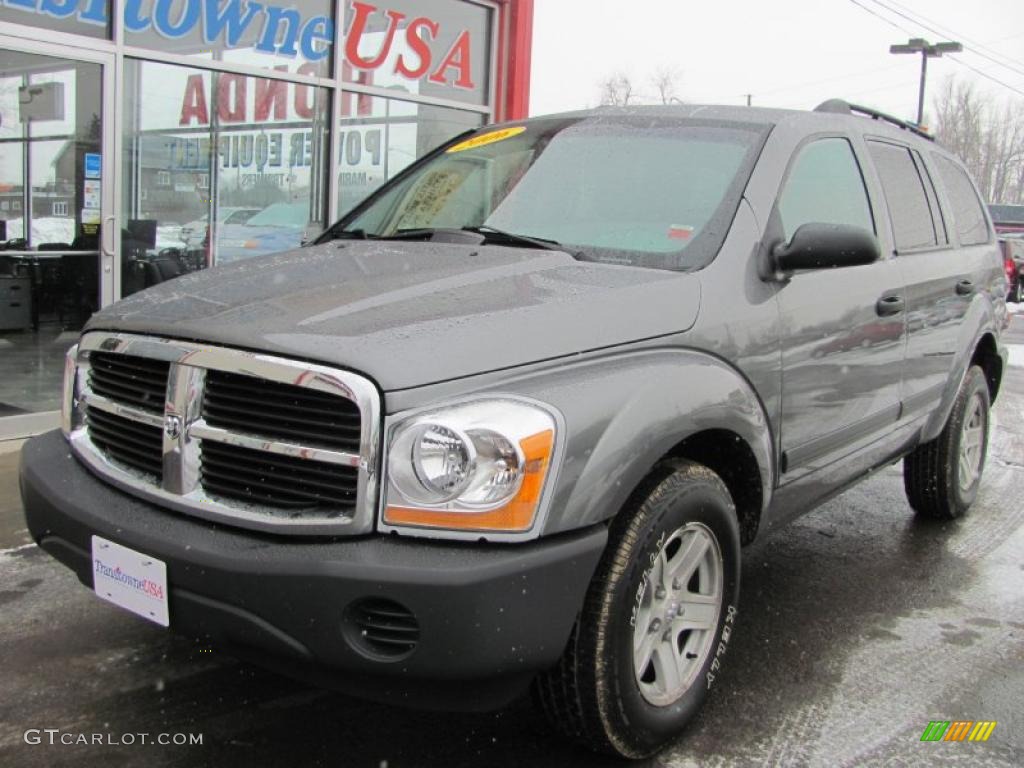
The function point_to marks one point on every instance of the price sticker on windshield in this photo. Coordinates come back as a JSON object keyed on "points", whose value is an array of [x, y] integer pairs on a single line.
{"points": [[487, 138]]}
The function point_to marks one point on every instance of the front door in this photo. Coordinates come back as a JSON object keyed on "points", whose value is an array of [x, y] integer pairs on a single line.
{"points": [[843, 345], [57, 226]]}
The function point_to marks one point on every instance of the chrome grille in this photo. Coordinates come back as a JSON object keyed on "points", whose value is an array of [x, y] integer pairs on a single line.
{"points": [[139, 446], [129, 379], [247, 439], [278, 481], [248, 404]]}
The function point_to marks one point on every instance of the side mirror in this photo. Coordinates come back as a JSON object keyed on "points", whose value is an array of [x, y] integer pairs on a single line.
{"points": [[824, 246]]}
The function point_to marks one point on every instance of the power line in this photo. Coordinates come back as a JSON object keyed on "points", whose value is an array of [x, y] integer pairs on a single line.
{"points": [[798, 86], [986, 74], [906, 31], [887, 20], [945, 30]]}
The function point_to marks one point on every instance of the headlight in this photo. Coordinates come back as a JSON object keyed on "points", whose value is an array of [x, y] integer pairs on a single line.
{"points": [[481, 466], [67, 402]]}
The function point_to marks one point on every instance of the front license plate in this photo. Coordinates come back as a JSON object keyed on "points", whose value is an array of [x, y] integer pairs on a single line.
{"points": [[130, 580]]}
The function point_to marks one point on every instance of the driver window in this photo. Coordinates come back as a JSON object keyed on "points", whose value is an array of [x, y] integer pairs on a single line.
{"points": [[825, 186]]}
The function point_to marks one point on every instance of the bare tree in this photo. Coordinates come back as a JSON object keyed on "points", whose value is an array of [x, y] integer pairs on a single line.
{"points": [[617, 90], [664, 82], [988, 136]]}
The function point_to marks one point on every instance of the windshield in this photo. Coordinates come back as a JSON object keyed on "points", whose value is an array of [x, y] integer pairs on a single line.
{"points": [[281, 215], [646, 191]]}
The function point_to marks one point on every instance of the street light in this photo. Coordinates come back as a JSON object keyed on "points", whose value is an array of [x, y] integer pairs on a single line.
{"points": [[927, 51]]}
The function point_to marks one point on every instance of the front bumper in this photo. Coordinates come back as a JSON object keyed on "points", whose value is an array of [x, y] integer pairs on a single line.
{"points": [[490, 616]]}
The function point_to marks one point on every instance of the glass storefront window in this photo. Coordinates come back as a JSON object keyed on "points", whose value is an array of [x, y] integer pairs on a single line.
{"points": [[79, 17], [12, 154], [217, 167], [214, 165], [292, 35], [378, 137], [50, 136], [436, 48]]}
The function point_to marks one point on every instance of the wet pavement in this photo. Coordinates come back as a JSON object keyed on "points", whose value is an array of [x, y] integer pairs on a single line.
{"points": [[858, 625]]}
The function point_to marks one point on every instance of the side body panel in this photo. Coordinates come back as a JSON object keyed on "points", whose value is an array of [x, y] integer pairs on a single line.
{"points": [[842, 362], [948, 323], [623, 413], [854, 390]]}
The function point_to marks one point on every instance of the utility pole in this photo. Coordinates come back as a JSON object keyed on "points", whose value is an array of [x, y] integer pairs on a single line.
{"points": [[927, 51]]}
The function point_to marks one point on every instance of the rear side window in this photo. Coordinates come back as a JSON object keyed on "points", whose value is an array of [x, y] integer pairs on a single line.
{"points": [[904, 193], [968, 215], [938, 217], [825, 186]]}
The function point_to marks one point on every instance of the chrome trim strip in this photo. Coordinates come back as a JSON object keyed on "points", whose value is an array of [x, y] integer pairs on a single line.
{"points": [[184, 407], [69, 392], [100, 403], [204, 431], [181, 488]]}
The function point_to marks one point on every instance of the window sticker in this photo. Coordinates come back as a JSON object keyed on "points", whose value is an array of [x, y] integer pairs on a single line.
{"points": [[487, 138], [679, 232]]}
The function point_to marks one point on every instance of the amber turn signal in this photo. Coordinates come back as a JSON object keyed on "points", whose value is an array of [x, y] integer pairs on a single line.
{"points": [[516, 515]]}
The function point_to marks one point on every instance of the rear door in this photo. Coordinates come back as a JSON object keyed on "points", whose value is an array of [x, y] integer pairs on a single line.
{"points": [[938, 276], [842, 355]]}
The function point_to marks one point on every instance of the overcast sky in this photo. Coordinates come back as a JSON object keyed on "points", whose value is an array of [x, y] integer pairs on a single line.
{"points": [[787, 53]]}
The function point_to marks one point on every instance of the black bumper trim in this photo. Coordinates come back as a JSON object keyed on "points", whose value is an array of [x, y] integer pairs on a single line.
{"points": [[491, 616]]}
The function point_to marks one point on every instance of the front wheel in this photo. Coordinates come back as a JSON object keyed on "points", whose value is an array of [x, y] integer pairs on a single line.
{"points": [[649, 642], [942, 476]]}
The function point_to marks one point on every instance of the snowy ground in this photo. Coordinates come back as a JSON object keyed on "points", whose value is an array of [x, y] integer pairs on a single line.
{"points": [[1016, 350], [55, 229]]}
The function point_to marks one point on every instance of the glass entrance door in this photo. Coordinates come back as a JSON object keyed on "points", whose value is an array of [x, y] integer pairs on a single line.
{"points": [[55, 199]]}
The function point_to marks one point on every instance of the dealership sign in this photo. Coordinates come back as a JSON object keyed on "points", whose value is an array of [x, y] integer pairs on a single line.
{"points": [[282, 31]]}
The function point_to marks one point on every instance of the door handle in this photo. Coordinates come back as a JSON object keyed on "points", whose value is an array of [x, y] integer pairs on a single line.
{"points": [[108, 230], [964, 288], [889, 305]]}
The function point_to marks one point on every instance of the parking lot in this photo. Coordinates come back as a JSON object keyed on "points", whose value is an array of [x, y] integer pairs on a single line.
{"points": [[859, 625]]}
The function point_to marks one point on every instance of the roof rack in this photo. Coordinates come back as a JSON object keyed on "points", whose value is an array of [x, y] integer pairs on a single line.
{"points": [[841, 107]]}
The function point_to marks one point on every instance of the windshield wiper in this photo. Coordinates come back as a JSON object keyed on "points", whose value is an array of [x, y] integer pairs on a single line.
{"points": [[349, 234], [492, 233], [488, 233]]}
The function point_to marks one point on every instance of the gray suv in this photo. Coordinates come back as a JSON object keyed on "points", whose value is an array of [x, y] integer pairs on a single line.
{"points": [[509, 422]]}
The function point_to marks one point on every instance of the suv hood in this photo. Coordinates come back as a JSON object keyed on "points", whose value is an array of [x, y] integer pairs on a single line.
{"points": [[412, 313]]}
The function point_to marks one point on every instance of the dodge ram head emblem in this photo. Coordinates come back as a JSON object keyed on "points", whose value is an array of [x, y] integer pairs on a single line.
{"points": [[172, 427]]}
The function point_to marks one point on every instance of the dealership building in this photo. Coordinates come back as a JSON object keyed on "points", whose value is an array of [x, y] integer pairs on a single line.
{"points": [[144, 139]]}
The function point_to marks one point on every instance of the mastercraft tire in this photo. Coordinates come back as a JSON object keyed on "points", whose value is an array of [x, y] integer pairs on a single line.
{"points": [[651, 638], [942, 476]]}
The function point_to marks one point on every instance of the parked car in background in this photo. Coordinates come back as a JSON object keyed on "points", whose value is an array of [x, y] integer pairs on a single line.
{"points": [[510, 421], [278, 227], [194, 233], [1013, 254]]}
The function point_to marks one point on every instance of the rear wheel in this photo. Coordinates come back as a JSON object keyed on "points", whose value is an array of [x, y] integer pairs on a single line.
{"points": [[942, 476], [658, 616]]}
